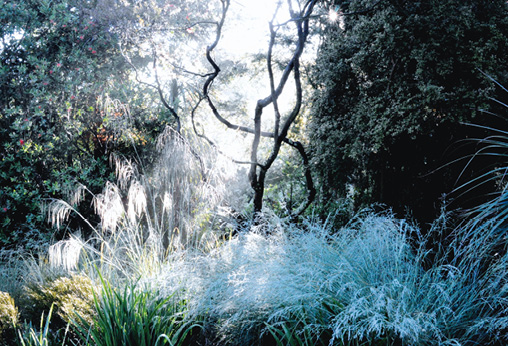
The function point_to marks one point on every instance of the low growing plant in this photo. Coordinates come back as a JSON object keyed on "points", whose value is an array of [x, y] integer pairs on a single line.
{"points": [[45, 336], [134, 316], [8, 317], [66, 294]]}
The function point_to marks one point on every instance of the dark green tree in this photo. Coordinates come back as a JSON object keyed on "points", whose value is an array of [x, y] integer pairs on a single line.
{"points": [[394, 80]]}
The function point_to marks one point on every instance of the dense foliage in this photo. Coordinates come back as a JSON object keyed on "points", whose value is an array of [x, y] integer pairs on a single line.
{"points": [[395, 79], [60, 70]]}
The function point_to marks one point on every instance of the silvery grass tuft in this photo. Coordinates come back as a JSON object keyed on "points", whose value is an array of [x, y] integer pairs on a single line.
{"points": [[371, 282], [253, 280], [147, 214]]}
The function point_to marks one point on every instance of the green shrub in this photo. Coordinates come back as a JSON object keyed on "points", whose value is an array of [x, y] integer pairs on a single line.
{"points": [[8, 316], [71, 296]]}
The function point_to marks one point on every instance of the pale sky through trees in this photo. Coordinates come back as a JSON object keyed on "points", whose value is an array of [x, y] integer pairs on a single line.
{"points": [[246, 33], [247, 28]]}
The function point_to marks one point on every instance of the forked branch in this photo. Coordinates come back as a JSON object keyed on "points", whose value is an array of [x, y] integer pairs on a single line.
{"points": [[258, 170]]}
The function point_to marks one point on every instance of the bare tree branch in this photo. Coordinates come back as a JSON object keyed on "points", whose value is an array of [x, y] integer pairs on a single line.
{"points": [[189, 72], [157, 87], [161, 94], [309, 182], [272, 83], [258, 171], [210, 142]]}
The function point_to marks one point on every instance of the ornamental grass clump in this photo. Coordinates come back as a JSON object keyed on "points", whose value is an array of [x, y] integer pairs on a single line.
{"points": [[307, 275], [372, 282], [13, 271], [147, 214]]}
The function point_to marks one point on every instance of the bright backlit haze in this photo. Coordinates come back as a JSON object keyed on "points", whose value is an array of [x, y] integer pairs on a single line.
{"points": [[247, 30]]}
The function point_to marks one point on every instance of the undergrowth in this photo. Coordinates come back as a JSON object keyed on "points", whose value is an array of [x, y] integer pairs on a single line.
{"points": [[368, 282], [160, 269]]}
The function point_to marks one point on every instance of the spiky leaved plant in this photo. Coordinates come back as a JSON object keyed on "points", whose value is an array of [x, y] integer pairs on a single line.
{"points": [[479, 245], [29, 335], [135, 316]]}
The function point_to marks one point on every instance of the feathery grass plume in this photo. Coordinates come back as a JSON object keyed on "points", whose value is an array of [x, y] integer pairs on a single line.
{"points": [[66, 253], [58, 212], [189, 183], [148, 213], [77, 194]]}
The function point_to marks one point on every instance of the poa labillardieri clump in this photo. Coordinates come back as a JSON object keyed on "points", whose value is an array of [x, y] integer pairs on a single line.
{"points": [[370, 282]]}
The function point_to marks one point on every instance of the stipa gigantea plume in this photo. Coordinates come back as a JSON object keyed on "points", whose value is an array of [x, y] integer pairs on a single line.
{"points": [[66, 253], [109, 206], [58, 212], [77, 194], [185, 187], [124, 170], [137, 201], [147, 213]]}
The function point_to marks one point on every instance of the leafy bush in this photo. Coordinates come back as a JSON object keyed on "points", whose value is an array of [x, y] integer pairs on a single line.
{"points": [[68, 296], [8, 317], [57, 122], [398, 78]]}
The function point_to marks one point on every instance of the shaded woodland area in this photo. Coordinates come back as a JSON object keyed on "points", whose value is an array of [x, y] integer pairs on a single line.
{"points": [[338, 180]]}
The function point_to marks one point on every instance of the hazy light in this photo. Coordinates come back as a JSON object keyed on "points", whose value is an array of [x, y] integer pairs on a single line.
{"points": [[333, 15]]}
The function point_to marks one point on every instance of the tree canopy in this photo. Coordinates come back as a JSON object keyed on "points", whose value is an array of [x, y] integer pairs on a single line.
{"points": [[392, 84], [60, 71], [395, 79]]}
